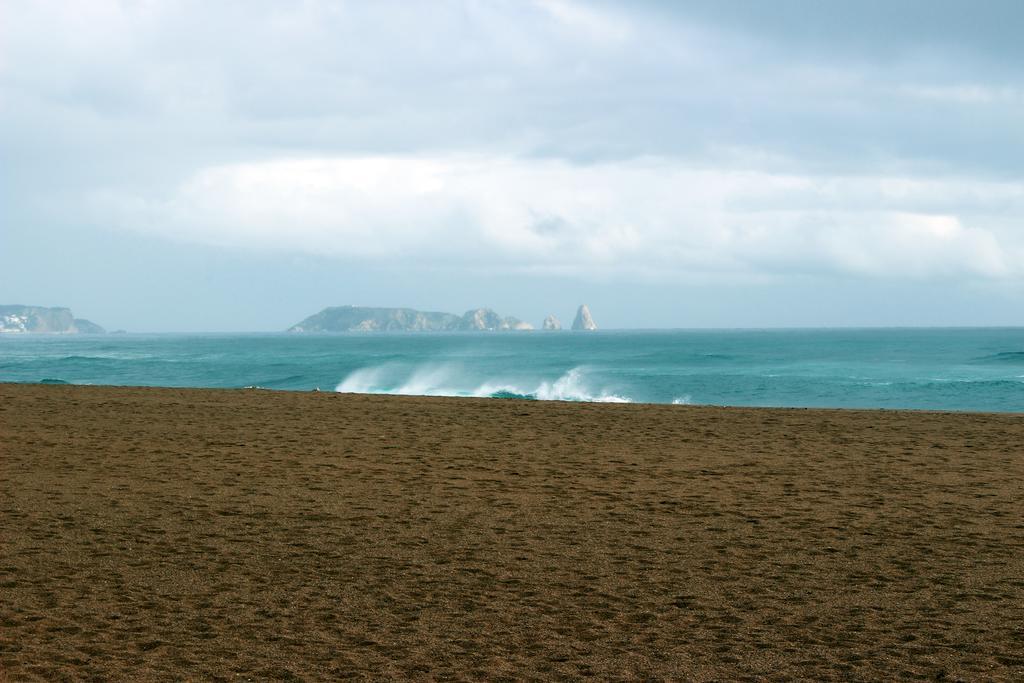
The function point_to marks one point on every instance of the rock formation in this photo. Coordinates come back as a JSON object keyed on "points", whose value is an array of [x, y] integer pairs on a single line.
{"points": [[486, 320], [481, 319], [364, 319], [584, 321], [551, 323], [18, 319]]}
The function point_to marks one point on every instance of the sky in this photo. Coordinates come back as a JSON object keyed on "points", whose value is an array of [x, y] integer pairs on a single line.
{"points": [[237, 166]]}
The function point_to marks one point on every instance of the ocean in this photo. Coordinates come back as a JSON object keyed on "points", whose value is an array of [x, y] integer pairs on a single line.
{"points": [[935, 369]]}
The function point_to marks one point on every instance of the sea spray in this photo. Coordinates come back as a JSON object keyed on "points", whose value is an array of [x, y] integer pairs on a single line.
{"points": [[453, 380]]}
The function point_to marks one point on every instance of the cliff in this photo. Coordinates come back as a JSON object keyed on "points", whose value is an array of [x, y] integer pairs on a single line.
{"points": [[584, 321], [365, 319], [484, 319], [17, 319]]}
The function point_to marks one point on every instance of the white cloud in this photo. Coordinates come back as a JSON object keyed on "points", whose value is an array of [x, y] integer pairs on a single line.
{"points": [[652, 215], [966, 94], [600, 26]]}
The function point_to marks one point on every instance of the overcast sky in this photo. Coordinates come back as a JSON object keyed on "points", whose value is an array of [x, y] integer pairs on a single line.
{"points": [[240, 165]]}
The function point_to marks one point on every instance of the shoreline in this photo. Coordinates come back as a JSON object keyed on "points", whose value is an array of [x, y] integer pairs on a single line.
{"points": [[167, 533], [330, 392]]}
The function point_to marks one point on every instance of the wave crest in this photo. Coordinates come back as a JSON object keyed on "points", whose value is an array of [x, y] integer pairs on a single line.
{"points": [[1014, 357], [445, 380]]}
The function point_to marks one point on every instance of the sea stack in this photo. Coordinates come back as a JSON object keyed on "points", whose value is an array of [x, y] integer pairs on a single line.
{"points": [[551, 323], [584, 321]]}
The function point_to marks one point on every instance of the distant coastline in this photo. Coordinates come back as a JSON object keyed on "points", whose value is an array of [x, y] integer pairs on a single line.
{"points": [[20, 319], [380, 319]]}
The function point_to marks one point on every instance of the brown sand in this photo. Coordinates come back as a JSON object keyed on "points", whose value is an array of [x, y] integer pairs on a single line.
{"points": [[190, 534]]}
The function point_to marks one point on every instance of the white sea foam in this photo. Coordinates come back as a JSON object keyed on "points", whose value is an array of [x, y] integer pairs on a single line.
{"points": [[682, 400], [362, 381], [449, 380]]}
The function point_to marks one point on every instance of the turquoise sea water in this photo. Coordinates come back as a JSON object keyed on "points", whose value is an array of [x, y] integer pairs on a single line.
{"points": [[945, 369]]}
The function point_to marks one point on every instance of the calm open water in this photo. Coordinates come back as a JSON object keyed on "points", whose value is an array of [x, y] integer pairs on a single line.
{"points": [[946, 369]]}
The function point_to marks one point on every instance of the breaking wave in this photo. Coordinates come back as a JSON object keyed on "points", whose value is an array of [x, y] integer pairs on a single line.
{"points": [[1003, 357], [446, 380]]}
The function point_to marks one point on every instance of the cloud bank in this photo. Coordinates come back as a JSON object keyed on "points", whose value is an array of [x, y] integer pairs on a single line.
{"points": [[652, 216], [707, 140]]}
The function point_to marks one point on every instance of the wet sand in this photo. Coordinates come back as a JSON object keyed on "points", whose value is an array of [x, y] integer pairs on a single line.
{"points": [[160, 534]]}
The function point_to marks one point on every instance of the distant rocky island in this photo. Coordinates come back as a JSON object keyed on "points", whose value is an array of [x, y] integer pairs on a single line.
{"points": [[369, 319], [18, 319], [584, 321]]}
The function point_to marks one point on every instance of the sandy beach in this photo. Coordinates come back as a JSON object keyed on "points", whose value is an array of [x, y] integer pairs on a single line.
{"points": [[169, 534]]}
